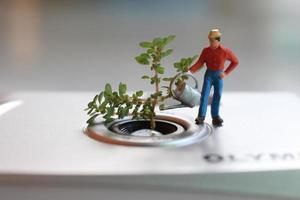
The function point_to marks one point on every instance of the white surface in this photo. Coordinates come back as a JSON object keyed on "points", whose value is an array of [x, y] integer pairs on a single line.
{"points": [[44, 136]]}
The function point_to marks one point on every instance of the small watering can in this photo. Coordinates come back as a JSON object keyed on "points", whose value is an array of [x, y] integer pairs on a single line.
{"points": [[189, 96]]}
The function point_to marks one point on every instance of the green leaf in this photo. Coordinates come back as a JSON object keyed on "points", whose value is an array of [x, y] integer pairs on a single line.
{"points": [[170, 38], [115, 94], [129, 105], [189, 61], [186, 69], [108, 120], [91, 104], [183, 61], [122, 89], [177, 65], [100, 97], [120, 111], [86, 109], [166, 53], [125, 111], [90, 111], [150, 51], [147, 111], [145, 77], [139, 93], [142, 60], [108, 89], [103, 105], [95, 98], [146, 44], [90, 121], [135, 110], [134, 97], [155, 80], [109, 112], [157, 41], [160, 69], [152, 80], [167, 40], [145, 55]]}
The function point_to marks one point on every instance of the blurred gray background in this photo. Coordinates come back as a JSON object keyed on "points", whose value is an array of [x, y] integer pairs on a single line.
{"points": [[81, 45]]}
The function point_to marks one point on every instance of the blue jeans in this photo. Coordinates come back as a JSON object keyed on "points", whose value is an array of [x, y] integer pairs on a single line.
{"points": [[211, 78]]}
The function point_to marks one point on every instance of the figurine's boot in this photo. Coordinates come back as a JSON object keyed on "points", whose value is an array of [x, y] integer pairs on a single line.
{"points": [[217, 121], [200, 120]]}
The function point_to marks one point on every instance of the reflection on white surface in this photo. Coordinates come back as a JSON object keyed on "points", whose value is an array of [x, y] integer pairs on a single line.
{"points": [[7, 106], [48, 139]]}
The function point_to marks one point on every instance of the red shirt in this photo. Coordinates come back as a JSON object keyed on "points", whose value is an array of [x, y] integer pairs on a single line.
{"points": [[215, 59]]}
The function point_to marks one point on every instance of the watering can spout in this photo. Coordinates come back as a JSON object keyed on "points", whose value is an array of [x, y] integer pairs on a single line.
{"points": [[188, 96]]}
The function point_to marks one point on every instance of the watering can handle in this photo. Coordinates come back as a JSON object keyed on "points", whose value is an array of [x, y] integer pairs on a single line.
{"points": [[179, 75]]}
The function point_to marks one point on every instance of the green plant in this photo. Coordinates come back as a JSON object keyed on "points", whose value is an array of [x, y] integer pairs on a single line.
{"points": [[111, 103], [155, 52]]}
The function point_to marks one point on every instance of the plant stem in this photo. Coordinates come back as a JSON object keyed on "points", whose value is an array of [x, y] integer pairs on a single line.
{"points": [[152, 121]]}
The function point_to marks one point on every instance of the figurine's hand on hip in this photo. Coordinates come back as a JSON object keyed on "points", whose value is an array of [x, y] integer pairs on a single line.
{"points": [[222, 75]]}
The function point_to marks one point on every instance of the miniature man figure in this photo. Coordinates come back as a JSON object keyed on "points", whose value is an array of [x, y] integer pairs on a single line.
{"points": [[214, 56]]}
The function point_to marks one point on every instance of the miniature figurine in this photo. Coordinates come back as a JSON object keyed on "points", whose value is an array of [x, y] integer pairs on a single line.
{"points": [[214, 56]]}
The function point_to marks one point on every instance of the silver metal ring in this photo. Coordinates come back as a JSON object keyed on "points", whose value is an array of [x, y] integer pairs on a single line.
{"points": [[185, 133]]}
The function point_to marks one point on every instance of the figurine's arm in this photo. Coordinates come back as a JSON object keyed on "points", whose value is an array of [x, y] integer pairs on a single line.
{"points": [[199, 64], [233, 61]]}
